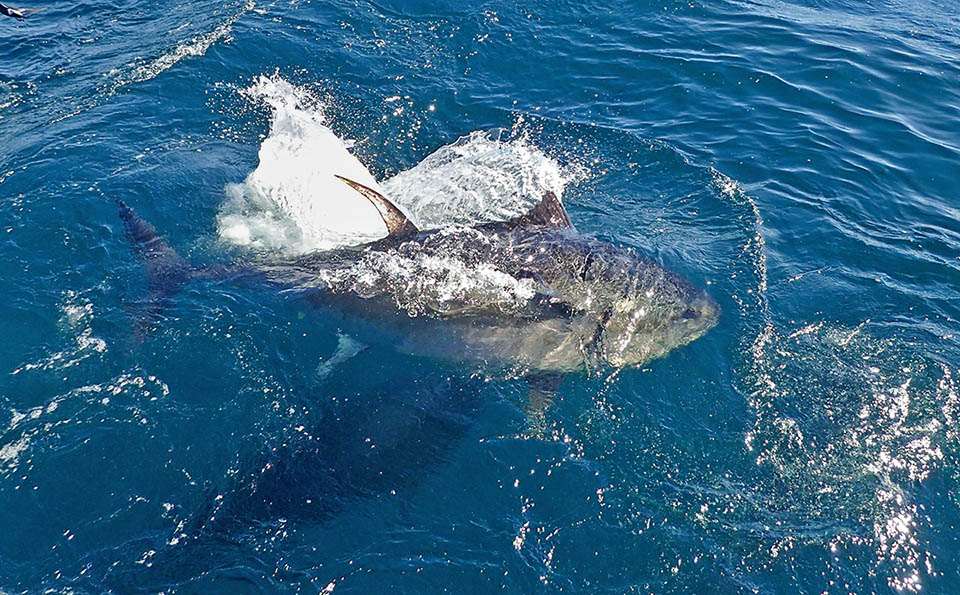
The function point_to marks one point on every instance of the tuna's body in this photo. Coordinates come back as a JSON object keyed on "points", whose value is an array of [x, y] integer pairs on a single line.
{"points": [[529, 294], [525, 297]]}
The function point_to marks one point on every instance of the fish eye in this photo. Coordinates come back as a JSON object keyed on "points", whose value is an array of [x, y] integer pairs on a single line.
{"points": [[690, 313]]}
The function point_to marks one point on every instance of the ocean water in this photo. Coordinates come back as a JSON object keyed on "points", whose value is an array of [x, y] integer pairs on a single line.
{"points": [[799, 159]]}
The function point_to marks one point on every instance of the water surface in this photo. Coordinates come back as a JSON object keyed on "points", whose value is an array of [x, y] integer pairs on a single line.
{"points": [[798, 159]]}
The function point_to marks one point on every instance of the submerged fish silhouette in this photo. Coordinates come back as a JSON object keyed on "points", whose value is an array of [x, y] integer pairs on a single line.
{"points": [[379, 444]]}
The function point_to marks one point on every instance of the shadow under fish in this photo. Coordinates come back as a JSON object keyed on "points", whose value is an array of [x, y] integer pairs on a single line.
{"points": [[379, 444]]}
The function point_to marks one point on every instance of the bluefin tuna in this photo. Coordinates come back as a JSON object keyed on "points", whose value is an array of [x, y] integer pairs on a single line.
{"points": [[531, 296]]}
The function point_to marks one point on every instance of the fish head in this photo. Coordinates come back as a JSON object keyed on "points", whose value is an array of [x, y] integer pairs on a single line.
{"points": [[664, 312]]}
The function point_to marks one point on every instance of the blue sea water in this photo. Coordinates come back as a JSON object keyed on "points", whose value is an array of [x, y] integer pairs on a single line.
{"points": [[799, 159]]}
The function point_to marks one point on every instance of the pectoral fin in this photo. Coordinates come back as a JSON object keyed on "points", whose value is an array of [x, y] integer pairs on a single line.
{"points": [[543, 391]]}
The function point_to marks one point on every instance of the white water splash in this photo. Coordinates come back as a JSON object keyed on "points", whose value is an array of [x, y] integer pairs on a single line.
{"points": [[293, 203], [476, 179], [431, 281]]}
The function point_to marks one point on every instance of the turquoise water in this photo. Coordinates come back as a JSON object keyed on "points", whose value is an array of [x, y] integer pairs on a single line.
{"points": [[800, 160]]}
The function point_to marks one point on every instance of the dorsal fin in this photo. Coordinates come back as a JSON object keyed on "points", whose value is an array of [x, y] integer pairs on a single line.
{"points": [[397, 223], [549, 212]]}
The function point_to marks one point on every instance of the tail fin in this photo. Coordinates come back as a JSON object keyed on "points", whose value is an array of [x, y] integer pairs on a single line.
{"points": [[166, 270]]}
